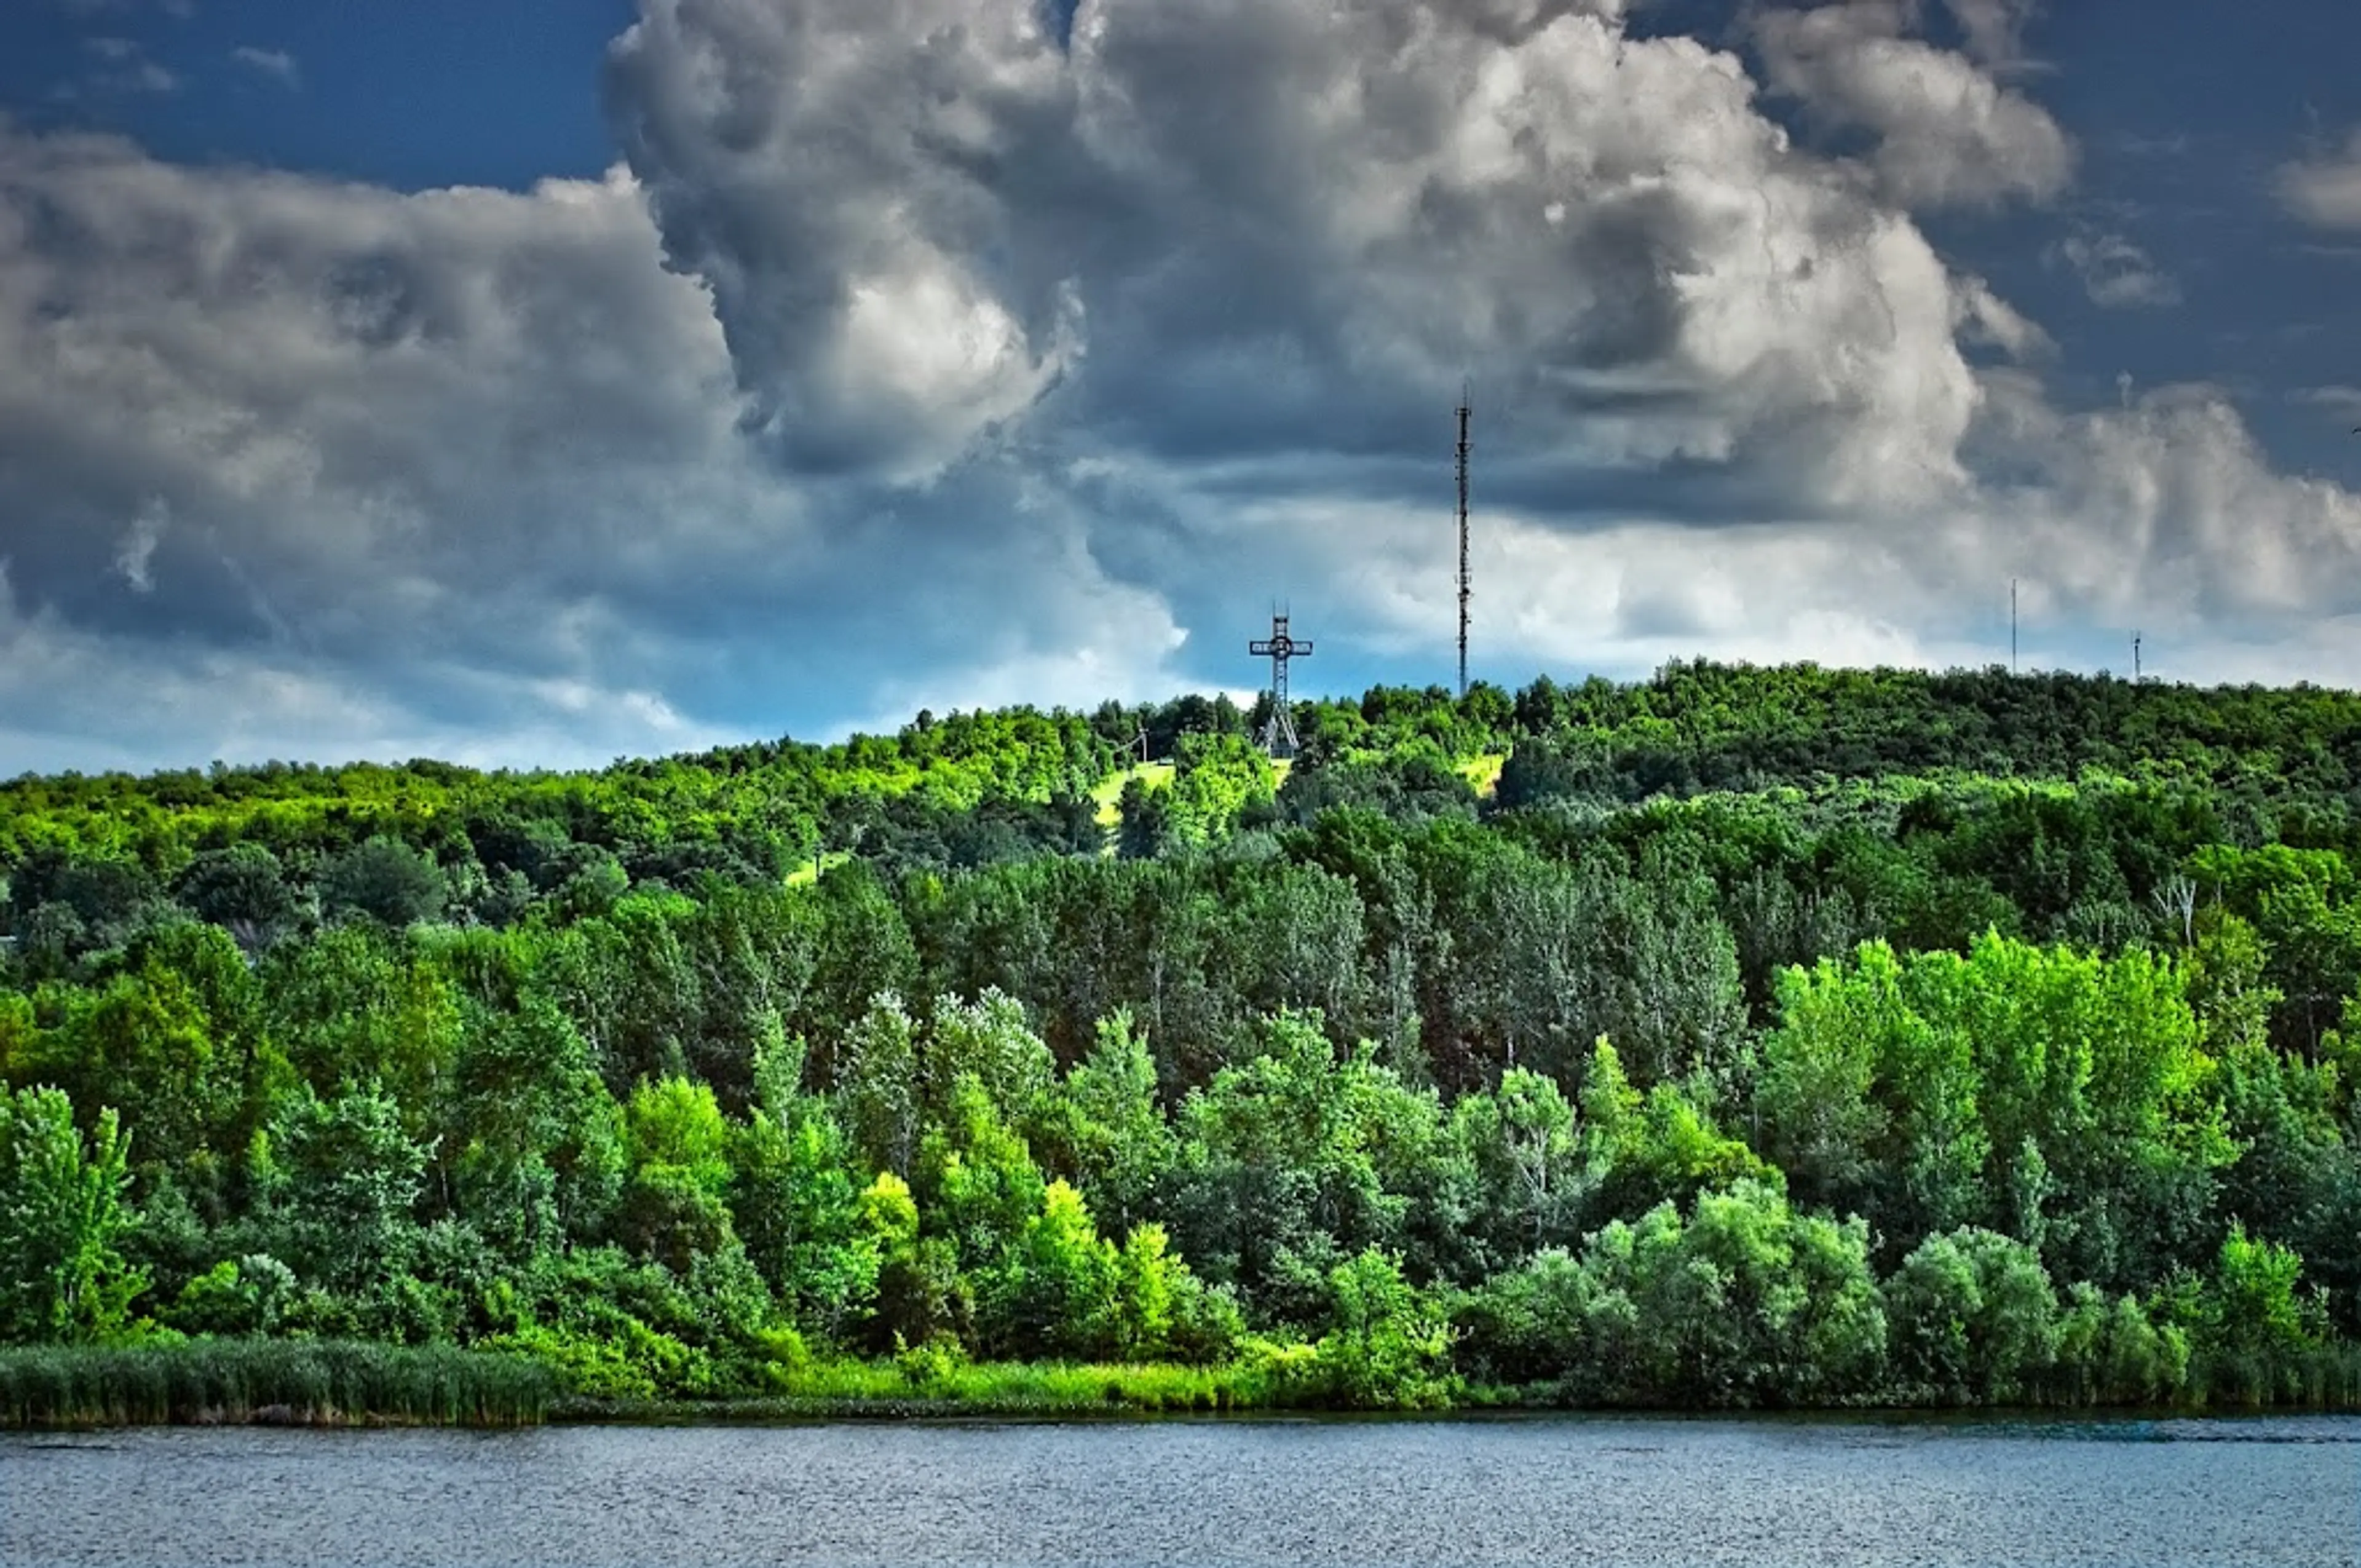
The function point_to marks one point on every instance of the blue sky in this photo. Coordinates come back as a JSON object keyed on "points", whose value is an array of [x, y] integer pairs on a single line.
{"points": [[414, 94], [541, 383]]}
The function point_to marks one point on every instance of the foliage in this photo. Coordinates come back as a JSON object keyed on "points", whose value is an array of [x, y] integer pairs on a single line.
{"points": [[305, 1382], [62, 1276], [1763, 1038]]}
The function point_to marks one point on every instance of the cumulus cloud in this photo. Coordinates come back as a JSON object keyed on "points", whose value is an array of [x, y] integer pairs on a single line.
{"points": [[2170, 502], [1983, 317], [466, 455], [838, 200], [1257, 231], [922, 356], [1993, 29], [2325, 189], [2164, 516], [1949, 135], [1301, 224], [2116, 273]]}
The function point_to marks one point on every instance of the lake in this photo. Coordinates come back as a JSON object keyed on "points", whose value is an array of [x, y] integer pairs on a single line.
{"points": [[1604, 1490]]}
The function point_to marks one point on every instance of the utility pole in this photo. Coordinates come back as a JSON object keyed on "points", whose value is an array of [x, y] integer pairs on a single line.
{"points": [[1464, 592], [1278, 734]]}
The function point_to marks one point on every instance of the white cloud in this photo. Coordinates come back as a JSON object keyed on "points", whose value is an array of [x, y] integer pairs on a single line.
{"points": [[276, 64], [128, 70], [2116, 273], [2325, 189], [2342, 402], [1949, 135], [1994, 29], [139, 546], [838, 214], [2165, 516], [1981, 316]]}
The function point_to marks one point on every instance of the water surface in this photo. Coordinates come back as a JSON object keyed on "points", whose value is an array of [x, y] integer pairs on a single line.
{"points": [[1642, 1492]]}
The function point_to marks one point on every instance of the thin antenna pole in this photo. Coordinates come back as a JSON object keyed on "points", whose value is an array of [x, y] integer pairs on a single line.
{"points": [[1464, 592], [2136, 658], [2012, 626]]}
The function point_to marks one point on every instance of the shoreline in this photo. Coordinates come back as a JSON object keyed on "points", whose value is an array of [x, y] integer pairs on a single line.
{"points": [[361, 1383]]}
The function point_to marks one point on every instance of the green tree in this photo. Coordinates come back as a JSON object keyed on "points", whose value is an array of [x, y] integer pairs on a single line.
{"points": [[1057, 1292], [1105, 1131], [1975, 1319], [1747, 1303], [243, 889], [385, 880], [1215, 779], [676, 1207], [1384, 1348], [795, 1205], [877, 1087], [1537, 1174], [62, 1275], [339, 1181]]}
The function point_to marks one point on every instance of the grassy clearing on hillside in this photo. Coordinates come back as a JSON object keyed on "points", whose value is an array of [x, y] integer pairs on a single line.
{"points": [[1484, 773], [807, 873], [1109, 793]]}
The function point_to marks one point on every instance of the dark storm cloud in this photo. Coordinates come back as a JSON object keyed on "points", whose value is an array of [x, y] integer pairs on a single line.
{"points": [[455, 471], [929, 355], [1262, 229]]}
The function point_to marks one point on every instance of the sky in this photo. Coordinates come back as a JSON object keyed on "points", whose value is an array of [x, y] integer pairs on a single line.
{"points": [[535, 385]]}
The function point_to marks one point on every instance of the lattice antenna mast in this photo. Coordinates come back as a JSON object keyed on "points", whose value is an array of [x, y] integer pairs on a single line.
{"points": [[2136, 658], [2012, 626], [1463, 591], [1278, 734]]}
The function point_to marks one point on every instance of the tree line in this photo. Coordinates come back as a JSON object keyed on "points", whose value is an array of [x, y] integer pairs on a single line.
{"points": [[1763, 1038]]}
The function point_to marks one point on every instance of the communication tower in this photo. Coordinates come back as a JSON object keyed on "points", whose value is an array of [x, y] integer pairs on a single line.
{"points": [[1463, 591]]}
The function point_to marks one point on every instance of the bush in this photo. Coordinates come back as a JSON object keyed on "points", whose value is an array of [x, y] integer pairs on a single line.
{"points": [[1975, 1320]]}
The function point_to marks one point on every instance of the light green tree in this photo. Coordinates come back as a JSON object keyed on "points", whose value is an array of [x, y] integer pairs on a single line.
{"points": [[62, 1216]]}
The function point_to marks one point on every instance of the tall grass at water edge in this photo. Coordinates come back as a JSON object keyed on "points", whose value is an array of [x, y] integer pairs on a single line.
{"points": [[298, 1382], [912, 1386]]}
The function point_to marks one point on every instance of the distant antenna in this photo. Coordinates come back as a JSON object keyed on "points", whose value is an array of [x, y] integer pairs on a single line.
{"points": [[1278, 735], [2136, 658], [2012, 626], [1463, 540]]}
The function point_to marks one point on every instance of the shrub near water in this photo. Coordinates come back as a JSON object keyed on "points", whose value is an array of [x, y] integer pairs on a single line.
{"points": [[324, 1382]]}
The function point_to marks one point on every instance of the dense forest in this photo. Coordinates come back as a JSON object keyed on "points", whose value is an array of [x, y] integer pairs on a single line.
{"points": [[1739, 1038]]}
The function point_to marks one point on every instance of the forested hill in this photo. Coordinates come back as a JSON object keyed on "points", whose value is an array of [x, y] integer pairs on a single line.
{"points": [[979, 787], [1740, 1036]]}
